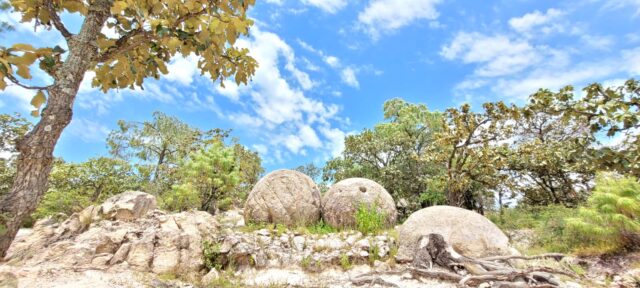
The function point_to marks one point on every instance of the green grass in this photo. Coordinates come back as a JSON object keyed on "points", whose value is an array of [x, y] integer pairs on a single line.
{"points": [[548, 224], [345, 263], [319, 228], [369, 220]]}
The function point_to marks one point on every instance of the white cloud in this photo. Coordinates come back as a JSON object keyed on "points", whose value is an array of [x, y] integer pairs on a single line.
{"points": [[87, 130], [329, 6], [598, 42], [535, 19], [348, 76], [260, 148], [274, 103], [332, 61], [182, 70], [384, 16], [618, 4], [497, 55]]}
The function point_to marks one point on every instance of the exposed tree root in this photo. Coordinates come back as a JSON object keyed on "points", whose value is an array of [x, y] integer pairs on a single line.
{"points": [[469, 272]]}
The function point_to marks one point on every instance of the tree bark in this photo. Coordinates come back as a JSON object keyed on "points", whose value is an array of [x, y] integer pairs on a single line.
{"points": [[36, 148]]}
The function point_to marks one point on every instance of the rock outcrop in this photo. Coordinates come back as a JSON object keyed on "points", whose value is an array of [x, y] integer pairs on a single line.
{"points": [[123, 233], [468, 232], [284, 197], [342, 201]]}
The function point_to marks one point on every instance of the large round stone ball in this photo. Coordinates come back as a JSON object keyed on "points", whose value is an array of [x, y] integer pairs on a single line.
{"points": [[284, 197], [468, 232], [342, 201]]}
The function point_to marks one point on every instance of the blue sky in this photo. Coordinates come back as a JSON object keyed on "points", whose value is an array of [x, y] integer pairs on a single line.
{"points": [[327, 66]]}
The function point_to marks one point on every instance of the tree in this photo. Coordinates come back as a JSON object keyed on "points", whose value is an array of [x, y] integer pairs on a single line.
{"points": [[12, 127], [315, 173], [549, 161], [208, 175], [150, 34], [74, 186], [4, 26], [392, 154], [614, 111], [471, 147], [249, 168], [159, 146]]}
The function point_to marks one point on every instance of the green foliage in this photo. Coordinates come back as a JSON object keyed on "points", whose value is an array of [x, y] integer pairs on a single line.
{"points": [[315, 173], [149, 33], [547, 223], [392, 154], [345, 263], [610, 221], [369, 220], [210, 174], [319, 228], [158, 147], [74, 186], [212, 256], [181, 198], [12, 127], [613, 111]]}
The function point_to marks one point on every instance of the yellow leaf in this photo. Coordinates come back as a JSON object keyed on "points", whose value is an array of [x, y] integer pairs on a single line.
{"points": [[118, 7], [23, 47], [23, 71], [35, 113], [2, 84], [38, 100]]}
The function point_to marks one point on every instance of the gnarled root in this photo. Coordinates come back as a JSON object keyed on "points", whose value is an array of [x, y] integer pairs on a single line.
{"points": [[432, 250]]}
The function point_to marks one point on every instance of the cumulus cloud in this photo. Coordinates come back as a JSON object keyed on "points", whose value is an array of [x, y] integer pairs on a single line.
{"points": [[277, 107], [496, 54], [329, 6], [348, 76], [513, 64], [384, 16], [535, 19]]}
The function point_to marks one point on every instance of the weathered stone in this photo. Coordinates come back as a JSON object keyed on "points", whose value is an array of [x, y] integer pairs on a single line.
{"points": [[210, 278], [469, 233], [285, 197], [342, 201], [126, 206]]}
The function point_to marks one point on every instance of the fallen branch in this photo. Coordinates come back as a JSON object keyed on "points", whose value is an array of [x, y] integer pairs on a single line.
{"points": [[555, 256]]}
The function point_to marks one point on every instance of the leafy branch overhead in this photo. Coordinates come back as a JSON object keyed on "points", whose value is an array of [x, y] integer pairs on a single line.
{"points": [[148, 35]]}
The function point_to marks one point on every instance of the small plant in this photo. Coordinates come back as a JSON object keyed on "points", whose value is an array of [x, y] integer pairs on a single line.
{"points": [[306, 262], [369, 219], [610, 222], [345, 263], [280, 229], [211, 253], [374, 250], [319, 228], [225, 204]]}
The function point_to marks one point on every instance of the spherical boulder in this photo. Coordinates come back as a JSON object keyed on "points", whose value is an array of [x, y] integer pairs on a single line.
{"points": [[284, 197], [342, 201], [468, 232]]}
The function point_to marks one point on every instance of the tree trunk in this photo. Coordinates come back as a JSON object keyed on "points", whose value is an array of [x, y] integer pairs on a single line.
{"points": [[36, 148]]}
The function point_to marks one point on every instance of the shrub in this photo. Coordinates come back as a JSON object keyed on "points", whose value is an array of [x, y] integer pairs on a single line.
{"points": [[609, 223], [548, 223], [181, 198], [369, 219]]}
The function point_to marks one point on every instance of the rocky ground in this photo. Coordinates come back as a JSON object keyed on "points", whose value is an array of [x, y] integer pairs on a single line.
{"points": [[127, 242]]}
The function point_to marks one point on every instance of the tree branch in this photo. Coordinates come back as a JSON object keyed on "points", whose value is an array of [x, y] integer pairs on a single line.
{"points": [[17, 82], [55, 19]]}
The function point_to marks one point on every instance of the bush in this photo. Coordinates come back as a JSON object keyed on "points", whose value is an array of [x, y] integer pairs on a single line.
{"points": [[181, 198], [609, 223], [369, 219], [547, 222]]}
